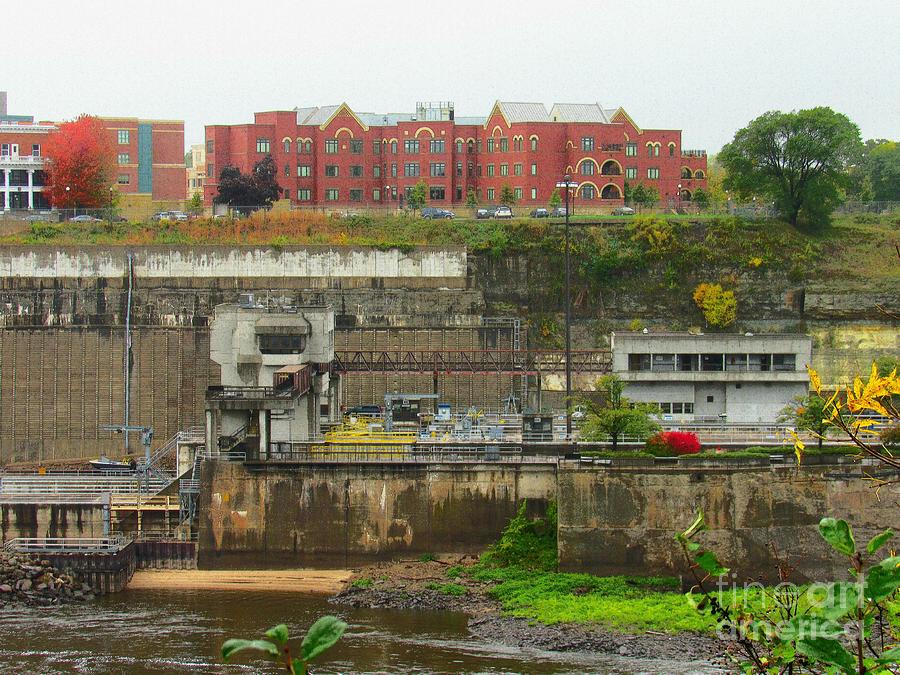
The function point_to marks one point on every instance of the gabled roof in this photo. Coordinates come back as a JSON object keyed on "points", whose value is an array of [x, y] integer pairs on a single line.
{"points": [[304, 113], [320, 115], [520, 112], [621, 114], [579, 112]]}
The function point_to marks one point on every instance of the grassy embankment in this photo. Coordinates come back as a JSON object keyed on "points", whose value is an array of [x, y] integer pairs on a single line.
{"points": [[521, 566]]}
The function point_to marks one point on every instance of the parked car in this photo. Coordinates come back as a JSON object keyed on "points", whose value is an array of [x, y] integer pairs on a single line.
{"points": [[486, 212], [178, 215], [38, 218], [162, 215], [434, 213], [558, 212], [84, 218], [503, 212], [540, 213], [623, 211]]}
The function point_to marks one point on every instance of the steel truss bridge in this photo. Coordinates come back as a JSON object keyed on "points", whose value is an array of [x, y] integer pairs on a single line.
{"points": [[470, 361]]}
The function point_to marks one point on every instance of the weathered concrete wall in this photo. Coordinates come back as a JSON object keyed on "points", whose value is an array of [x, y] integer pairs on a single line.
{"points": [[345, 515], [621, 521], [154, 262], [50, 520]]}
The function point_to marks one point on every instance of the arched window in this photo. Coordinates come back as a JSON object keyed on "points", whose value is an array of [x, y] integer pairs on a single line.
{"points": [[611, 192], [685, 195], [686, 173], [587, 192], [587, 169], [459, 146], [699, 174], [287, 146], [470, 146], [308, 147], [393, 147], [534, 144], [671, 149], [611, 168]]}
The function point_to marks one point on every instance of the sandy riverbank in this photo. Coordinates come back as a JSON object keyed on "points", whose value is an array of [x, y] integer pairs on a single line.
{"points": [[325, 582]]}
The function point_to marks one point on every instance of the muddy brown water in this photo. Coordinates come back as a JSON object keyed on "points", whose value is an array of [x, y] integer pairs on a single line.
{"points": [[152, 631]]}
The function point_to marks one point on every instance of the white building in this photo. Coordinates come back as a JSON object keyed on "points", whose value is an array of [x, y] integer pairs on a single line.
{"points": [[738, 379], [22, 166], [276, 376]]}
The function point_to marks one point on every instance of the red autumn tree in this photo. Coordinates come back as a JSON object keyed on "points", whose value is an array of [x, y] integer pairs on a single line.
{"points": [[80, 157]]}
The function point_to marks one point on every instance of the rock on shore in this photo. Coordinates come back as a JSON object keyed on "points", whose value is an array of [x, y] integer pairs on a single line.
{"points": [[26, 579]]}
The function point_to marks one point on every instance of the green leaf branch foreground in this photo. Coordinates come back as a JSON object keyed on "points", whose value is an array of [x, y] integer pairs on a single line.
{"points": [[322, 635], [837, 627]]}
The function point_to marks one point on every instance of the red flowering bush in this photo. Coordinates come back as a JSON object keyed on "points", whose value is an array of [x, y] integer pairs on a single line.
{"points": [[673, 443]]}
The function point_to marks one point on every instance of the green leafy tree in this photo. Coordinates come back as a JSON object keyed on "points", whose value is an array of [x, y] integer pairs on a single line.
{"points": [[418, 195], [322, 635], [617, 416], [701, 198], [472, 199], [807, 413], [882, 168], [718, 305], [555, 199], [642, 195], [195, 203], [799, 160], [507, 195]]}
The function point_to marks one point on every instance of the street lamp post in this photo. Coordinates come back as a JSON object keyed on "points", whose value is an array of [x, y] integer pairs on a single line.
{"points": [[567, 184]]}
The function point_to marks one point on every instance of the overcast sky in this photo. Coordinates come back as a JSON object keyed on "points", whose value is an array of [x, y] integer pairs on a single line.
{"points": [[705, 66]]}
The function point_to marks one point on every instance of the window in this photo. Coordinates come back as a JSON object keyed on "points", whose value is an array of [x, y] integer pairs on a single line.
{"points": [[123, 179], [356, 195], [459, 146], [470, 170], [210, 171], [735, 362], [478, 146], [376, 171], [631, 149], [534, 144], [4, 150], [664, 362], [638, 362], [36, 150], [376, 147], [534, 193], [331, 195], [587, 168], [124, 158], [411, 147], [671, 150], [588, 192], [459, 169], [470, 147], [490, 194], [304, 195], [712, 362], [490, 145], [304, 170], [307, 147], [631, 172], [504, 169], [436, 192], [393, 147], [710, 399], [262, 145], [331, 170], [287, 146], [376, 195], [411, 169], [534, 169], [458, 194], [438, 169], [356, 171], [653, 173], [760, 362], [287, 171], [517, 169], [394, 193], [504, 145], [518, 193], [587, 143], [393, 169], [784, 362], [436, 146], [490, 169], [209, 146], [123, 136], [478, 171], [356, 147], [331, 146], [688, 362], [517, 144], [653, 150]]}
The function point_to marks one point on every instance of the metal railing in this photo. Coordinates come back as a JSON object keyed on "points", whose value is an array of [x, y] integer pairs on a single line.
{"points": [[330, 454], [251, 393], [111, 544], [58, 484]]}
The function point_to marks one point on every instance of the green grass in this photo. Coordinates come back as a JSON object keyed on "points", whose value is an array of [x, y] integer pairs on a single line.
{"points": [[455, 571], [362, 582], [427, 557], [447, 589]]}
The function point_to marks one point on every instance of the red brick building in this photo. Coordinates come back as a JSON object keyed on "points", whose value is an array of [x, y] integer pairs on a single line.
{"points": [[333, 155], [149, 158]]}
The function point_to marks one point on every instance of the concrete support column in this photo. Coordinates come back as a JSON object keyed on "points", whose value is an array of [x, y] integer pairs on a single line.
{"points": [[30, 188], [211, 435], [263, 434]]}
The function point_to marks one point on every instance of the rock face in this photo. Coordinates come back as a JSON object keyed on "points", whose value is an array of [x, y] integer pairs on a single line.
{"points": [[26, 579]]}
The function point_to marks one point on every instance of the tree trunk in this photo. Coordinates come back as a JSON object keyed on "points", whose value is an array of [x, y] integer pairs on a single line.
{"points": [[615, 439]]}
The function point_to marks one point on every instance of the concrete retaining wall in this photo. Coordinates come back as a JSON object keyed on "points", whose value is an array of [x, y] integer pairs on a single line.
{"points": [[346, 515], [620, 521], [50, 520]]}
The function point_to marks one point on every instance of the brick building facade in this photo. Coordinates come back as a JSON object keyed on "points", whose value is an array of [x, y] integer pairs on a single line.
{"points": [[149, 159], [333, 155]]}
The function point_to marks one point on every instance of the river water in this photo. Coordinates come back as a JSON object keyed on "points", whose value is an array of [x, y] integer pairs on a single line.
{"points": [[144, 631]]}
